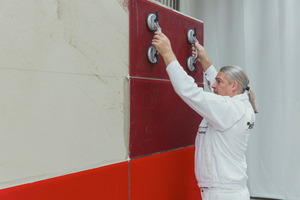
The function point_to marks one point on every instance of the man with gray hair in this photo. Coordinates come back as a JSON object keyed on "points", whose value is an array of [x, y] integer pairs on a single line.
{"points": [[228, 118]]}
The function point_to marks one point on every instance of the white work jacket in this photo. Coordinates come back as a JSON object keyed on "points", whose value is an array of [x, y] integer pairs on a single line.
{"points": [[223, 134]]}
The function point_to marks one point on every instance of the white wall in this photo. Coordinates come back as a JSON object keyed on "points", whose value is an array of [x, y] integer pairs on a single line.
{"points": [[63, 91], [223, 29]]}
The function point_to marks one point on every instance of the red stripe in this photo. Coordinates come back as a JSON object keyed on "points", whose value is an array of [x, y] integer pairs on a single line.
{"points": [[167, 175], [109, 182]]}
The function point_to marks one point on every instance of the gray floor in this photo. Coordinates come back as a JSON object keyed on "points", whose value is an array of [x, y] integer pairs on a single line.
{"points": [[262, 199]]}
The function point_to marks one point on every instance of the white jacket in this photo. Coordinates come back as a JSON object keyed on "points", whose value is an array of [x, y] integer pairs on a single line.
{"points": [[223, 134]]}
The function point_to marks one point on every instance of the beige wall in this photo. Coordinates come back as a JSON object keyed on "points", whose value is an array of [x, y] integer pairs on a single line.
{"points": [[63, 91]]}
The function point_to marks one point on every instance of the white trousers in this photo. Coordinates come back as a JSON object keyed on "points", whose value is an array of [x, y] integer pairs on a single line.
{"points": [[224, 194]]}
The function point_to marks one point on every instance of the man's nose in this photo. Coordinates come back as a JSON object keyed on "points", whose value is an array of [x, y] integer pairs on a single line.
{"points": [[214, 85]]}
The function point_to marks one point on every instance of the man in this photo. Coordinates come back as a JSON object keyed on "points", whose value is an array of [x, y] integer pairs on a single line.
{"points": [[228, 117]]}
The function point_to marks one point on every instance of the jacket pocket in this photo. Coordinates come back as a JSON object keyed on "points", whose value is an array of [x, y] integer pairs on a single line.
{"points": [[203, 166]]}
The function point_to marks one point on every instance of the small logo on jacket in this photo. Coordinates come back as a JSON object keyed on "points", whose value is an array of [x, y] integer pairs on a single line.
{"points": [[250, 125], [201, 132]]}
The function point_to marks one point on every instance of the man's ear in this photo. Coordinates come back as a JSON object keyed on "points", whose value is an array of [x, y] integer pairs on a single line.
{"points": [[235, 85]]}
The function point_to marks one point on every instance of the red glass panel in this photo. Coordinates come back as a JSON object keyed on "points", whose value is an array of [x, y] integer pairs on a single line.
{"points": [[167, 175], [174, 25], [159, 119]]}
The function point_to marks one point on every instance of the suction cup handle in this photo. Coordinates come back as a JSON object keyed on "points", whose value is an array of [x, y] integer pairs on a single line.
{"points": [[156, 19], [191, 38], [156, 55], [195, 65]]}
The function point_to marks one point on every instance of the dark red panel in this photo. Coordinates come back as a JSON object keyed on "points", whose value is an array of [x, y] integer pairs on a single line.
{"points": [[159, 119], [174, 25], [164, 176], [109, 182]]}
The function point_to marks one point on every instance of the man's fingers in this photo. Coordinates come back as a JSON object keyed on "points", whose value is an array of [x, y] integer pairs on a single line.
{"points": [[158, 36], [155, 41], [199, 46], [159, 33]]}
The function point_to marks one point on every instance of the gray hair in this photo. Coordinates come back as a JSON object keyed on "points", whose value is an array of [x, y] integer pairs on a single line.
{"points": [[235, 73]]}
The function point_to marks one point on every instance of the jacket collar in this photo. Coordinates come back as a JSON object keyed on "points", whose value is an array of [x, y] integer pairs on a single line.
{"points": [[241, 97]]}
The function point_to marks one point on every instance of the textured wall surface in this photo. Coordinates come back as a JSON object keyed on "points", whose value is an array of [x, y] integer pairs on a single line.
{"points": [[63, 92]]}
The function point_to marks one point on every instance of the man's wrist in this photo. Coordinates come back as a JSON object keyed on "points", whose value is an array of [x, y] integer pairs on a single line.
{"points": [[205, 63], [169, 57]]}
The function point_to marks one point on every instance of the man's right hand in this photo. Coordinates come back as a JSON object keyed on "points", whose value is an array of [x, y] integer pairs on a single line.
{"points": [[163, 46]]}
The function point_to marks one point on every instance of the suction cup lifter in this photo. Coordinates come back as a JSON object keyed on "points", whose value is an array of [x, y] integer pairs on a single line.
{"points": [[152, 55], [191, 61], [152, 24]]}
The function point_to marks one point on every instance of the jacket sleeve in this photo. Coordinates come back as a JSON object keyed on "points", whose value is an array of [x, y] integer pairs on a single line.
{"points": [[210, 76], [220, 111]]}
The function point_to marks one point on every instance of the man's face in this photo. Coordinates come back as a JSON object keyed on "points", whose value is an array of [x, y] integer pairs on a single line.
{"points": [[222, 86]]}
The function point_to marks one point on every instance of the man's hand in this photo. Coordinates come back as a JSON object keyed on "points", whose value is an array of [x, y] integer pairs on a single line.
{"points": [[203, 59], [163, 46]]}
